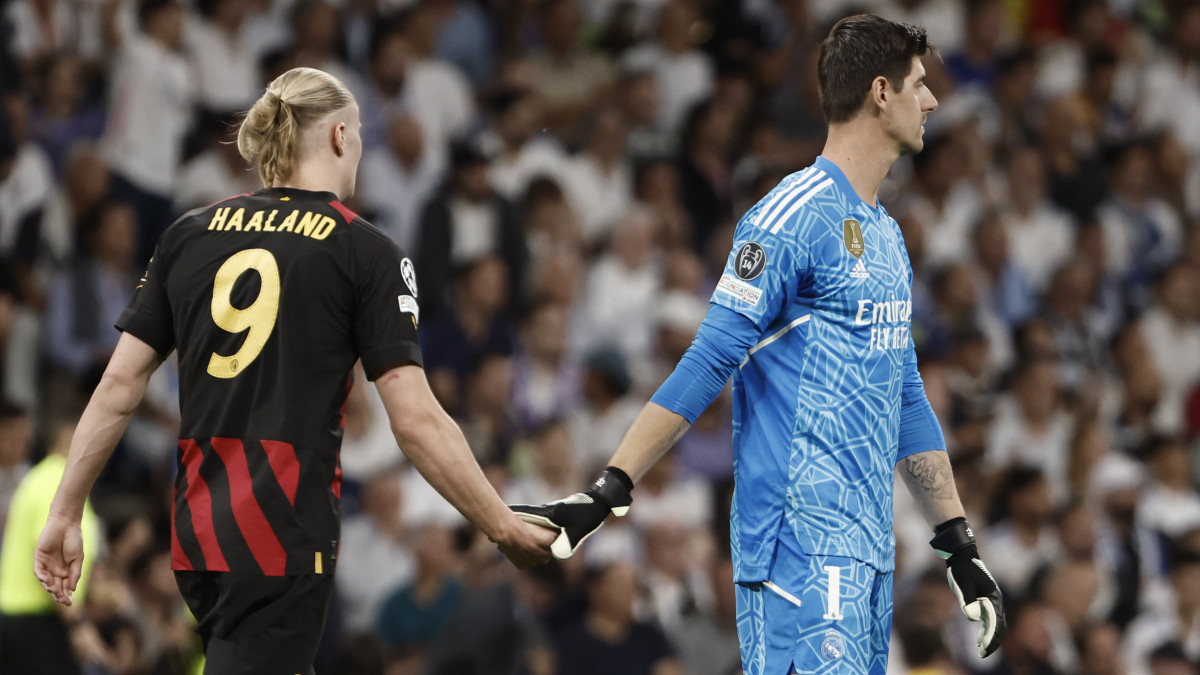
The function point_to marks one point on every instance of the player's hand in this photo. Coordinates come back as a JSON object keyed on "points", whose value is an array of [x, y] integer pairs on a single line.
{"points": [[976, 589], [577, 517], [58, 559], [527, 545]]}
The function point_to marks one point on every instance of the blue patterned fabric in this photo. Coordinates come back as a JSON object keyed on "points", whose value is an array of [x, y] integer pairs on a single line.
{"points": [[780, 637], [818, 400]]}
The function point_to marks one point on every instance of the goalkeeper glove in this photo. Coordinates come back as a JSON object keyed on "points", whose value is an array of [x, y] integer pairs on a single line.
{"points": [[976, 589], [581, 514]]}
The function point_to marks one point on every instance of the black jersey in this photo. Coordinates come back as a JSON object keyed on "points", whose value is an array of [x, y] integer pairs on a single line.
{"points": [[269, 299]]}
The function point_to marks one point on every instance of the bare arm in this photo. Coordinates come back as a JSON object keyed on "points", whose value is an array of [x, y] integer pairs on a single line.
{"points": [[103, 422], [651, 435], [437, 448], [58, 559], [930, 481]]}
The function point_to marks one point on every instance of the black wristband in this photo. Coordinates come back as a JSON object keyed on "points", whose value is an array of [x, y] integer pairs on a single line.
{"points": [[621, 476], [949, 524], [612, 487], [952, 537]]}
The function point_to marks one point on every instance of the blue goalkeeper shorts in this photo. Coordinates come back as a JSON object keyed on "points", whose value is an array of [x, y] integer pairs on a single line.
{"points": [[795, 625]]}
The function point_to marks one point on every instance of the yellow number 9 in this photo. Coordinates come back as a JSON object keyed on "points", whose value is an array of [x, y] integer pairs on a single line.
{"points": [[259, 318]]}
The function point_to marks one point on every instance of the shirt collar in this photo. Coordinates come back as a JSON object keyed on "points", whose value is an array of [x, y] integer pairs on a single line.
{"points": [[839, 178]]}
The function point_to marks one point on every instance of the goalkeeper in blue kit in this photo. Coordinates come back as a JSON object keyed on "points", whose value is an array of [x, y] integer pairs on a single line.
{"points": [[812, 319]]}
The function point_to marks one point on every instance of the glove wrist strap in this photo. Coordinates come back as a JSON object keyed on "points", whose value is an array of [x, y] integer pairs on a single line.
{"points": [[952, 537], [613, 487]]}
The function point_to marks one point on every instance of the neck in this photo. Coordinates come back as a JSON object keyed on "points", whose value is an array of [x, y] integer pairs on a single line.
{"points": [[863, 152], [311, 178]]}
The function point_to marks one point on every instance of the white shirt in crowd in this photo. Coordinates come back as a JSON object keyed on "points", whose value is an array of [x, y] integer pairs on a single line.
{"points": [[600, 197], [948, 232], [540, 156], [149, 112], [595, 436], [1173, 348], [442, 100], [224, 66], [28, 187], [683, 79], [619, 304], [397, 193], [1012, 443], [372, 564], [75, 28], [208, 178], [1039, 243], [1014, 562]]}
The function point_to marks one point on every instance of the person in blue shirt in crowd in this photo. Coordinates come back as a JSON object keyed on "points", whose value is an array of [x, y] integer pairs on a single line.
{"points": [[812, 319]]}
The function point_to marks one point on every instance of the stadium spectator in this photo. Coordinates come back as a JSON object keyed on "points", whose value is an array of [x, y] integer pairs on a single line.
{"points": [[220, 57], [441, 96], [38, 636], [1023, 539], [599, 180], [552, 465], [475, 327], [1171, 331], [150, 108], [546, 377], [377, 552], [569, 79], [684, 74], [622, 288], [217, 172], [520, 151], [1137, 226], [467, 221], [84, 300], [62, 115], [400, 176], [608, 638], [1041, 237]]}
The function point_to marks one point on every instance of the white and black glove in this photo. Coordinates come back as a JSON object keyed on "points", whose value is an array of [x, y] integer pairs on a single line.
{"points": [[581, 514], [976, 589]]}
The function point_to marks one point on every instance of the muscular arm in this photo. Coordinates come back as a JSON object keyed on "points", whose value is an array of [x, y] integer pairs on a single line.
{"points": [[58, 558], [930, 481], [437, 448], [103, 422]]}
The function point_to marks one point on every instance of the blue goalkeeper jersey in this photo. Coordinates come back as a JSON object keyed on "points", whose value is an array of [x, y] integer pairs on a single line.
{"points": [[818, 401]]}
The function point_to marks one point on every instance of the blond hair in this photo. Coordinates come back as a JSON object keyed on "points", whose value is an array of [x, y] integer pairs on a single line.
{"points": [[270, 132]]}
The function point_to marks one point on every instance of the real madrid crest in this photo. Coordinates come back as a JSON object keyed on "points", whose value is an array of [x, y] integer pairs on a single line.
{"points": [[852, 232], [832, 647]]}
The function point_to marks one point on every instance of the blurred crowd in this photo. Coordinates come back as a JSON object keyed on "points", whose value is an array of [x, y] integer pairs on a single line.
{"points": [[567, 175]]}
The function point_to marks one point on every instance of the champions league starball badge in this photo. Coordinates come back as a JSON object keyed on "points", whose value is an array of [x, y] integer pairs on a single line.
{"points": [[832, 647]]}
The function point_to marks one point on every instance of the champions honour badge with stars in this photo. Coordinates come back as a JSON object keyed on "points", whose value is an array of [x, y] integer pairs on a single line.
{"points": [[852, 232]]}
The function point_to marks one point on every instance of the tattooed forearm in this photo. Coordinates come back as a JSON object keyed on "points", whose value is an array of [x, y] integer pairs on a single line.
{"points": [[931, 474], [674, 436]]}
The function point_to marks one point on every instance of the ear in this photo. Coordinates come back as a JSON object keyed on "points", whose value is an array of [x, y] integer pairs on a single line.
{"points": [[881, 92], [338, 137]]}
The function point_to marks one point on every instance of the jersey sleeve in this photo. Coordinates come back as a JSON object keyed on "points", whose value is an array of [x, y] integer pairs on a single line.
{"points": [[760, 275], [919, 428], [386, 312], [148, 315]]}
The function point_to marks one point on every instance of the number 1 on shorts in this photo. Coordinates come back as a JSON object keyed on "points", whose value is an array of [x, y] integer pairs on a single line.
{"points": [[833, 601]]}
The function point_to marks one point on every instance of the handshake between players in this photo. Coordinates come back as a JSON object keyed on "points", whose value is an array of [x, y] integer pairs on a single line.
{"points": [[580, 515]]}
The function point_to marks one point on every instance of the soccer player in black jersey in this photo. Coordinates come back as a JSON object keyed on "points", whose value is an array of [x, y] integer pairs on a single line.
{"points": [[269, 299]]}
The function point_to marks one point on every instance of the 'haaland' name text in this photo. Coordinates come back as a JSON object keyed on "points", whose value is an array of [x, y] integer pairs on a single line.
{"points": [[311, 224]]}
